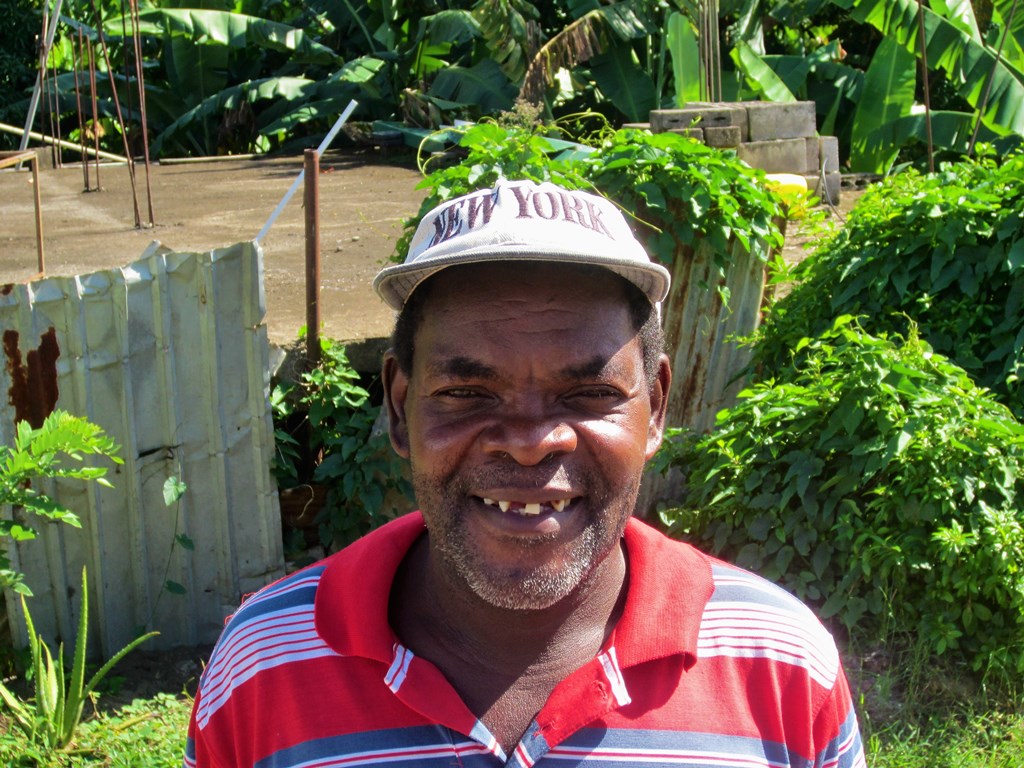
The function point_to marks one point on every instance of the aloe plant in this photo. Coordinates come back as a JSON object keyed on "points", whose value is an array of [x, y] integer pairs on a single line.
{"points": [[50, 718]]}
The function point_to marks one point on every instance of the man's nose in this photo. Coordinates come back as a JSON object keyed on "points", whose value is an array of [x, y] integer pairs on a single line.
{"points": [[529, 440]]}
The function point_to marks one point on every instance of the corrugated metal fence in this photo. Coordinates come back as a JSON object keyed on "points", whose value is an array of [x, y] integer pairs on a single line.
{"points": [[170, 356]]}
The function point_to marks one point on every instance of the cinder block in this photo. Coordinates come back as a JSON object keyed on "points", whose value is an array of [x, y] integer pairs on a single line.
{"points": [[782, 156], [828, 153], [723, 136], [785, 120], [701, 116], [639, 126], [690, 133], [829, 191], [811, 162]]}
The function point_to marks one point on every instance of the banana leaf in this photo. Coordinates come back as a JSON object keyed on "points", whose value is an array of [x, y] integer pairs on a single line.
{"points": [[290, 88], [621, 78], [195, 71], [950, 131], [234, 30], [505, 29], [960, 13], [483, 85], [760, 78], [450, 26], [888, 94], [967, 63], [684, 50]]}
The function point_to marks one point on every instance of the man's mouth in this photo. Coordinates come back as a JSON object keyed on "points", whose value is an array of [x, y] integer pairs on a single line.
{"points": [[528, 509]]}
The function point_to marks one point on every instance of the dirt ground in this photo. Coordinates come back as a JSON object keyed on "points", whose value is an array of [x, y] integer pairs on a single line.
{"points": [[364, 198]]}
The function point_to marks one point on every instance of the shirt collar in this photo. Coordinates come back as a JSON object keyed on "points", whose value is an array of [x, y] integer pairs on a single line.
{"points": [[669, 585]]}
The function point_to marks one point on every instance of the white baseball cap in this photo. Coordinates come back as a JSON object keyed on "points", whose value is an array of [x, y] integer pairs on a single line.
{"points": [[523, 221]]}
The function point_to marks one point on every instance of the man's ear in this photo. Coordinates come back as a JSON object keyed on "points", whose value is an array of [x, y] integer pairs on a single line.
{"points": [[396, 389], [659, 405]]}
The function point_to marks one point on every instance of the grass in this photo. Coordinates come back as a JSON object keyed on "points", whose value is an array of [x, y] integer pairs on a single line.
{"points": [[985, 740], [148, 733]]}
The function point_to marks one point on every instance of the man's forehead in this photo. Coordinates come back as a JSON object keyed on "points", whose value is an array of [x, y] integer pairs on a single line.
{"points": [[496, 280]]}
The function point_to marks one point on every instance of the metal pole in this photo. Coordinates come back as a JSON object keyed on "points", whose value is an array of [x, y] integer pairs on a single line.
{"points": [[77, 62], [991, 76], [117, 109], [927, 90], [95, 112], [311, 202], [140, 79], [39, 211]]}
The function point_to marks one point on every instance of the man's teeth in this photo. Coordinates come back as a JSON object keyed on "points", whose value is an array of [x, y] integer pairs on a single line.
{"points": [[533, 508]]}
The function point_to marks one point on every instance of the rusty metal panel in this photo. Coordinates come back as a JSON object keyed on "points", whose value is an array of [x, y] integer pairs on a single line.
{"points": [[701, 330], [170, 356]]}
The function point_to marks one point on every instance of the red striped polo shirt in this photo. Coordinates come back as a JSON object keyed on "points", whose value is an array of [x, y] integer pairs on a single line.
{"points": [[709, 667]]}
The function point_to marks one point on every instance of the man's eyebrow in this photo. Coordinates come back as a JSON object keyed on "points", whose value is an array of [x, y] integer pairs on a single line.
{"points": [[590, 369], [461, 368]]}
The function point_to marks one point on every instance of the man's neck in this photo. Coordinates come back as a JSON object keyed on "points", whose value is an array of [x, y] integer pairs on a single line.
{"points": [[503, 663]]}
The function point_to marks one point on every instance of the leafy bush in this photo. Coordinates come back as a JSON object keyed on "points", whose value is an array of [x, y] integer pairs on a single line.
{"points": [[323, 430], [54, 450], [878, 482], [944, 250], [676, 189]]}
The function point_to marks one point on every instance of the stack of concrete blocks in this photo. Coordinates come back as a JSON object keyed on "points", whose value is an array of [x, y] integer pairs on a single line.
{"points": [[776, 137]]}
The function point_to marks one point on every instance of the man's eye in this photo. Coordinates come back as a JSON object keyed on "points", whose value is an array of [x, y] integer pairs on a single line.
{"points": [[598, 393], [459, 393]]}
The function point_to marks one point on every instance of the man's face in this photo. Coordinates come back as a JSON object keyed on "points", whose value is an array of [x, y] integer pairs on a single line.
{"points": [[527, 419]]}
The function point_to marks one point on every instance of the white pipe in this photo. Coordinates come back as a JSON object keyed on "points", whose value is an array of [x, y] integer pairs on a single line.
{"points": [[302, 174], [66, 144], [43, 56]]}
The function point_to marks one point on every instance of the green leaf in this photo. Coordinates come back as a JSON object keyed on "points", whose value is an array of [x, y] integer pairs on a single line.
{"points": [[761, 79], [888, 94], [229, 29], [967, 62], [173, 490], [681, 41], [483, 85], [621, 78], [175, 588]]}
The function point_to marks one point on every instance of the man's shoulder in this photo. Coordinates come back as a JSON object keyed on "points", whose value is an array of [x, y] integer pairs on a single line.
{"points": [[749, 616], [744, 615]]}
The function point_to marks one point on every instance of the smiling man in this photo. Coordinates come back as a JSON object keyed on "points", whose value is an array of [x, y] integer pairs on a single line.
{"points": [[523, 617]]}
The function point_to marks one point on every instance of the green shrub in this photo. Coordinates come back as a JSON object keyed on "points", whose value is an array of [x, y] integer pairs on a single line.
{"points": [[323, 432], [877, 482], [677, 189], [945, 250]]}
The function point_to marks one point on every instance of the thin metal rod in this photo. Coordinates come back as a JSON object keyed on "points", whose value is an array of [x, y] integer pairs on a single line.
{"points": [[120, 115], [39, 212], [55, 115], [76, 48], [137, 41], [298, 179], [991, 77], [927, 91], [95, 112], [311, 202]]}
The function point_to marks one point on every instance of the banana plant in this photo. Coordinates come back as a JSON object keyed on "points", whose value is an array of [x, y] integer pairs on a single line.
{"points": [[954, 46]]}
